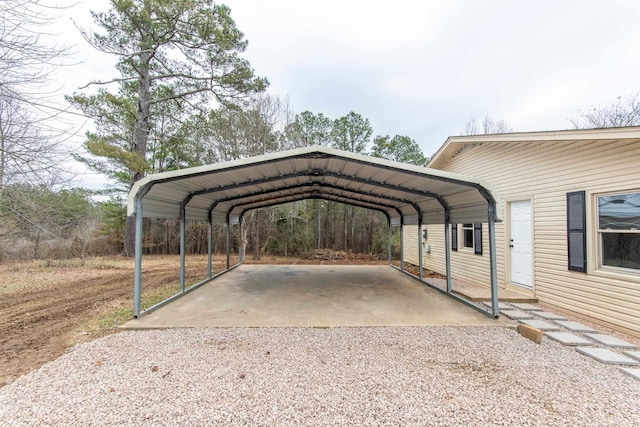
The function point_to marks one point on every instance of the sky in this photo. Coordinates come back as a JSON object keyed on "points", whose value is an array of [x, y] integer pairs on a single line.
{"points": [[425, 68]]}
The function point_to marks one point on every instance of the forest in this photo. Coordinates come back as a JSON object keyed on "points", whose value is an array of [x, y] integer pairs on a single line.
{"points": [[182, 95], [185, 97]]}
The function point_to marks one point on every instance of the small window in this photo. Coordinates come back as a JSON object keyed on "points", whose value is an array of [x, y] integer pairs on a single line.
{"points": [[472, 237], [467, 236], [619, 230]]}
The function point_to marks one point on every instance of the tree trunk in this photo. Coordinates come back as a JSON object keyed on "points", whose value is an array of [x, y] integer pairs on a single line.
{"points": [[140, 137], [353, 229], [130, 236], [346, 229], [256, 239]]}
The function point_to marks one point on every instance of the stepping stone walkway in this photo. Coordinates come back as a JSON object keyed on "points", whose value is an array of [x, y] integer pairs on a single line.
{"points": [[575, 326], [541, 324], [526, 306], [604, 355], [634, 372], [516, 314], [586, 340], [567, 338], [610, 341], [501, 305], [549, 316], [634, 354]]}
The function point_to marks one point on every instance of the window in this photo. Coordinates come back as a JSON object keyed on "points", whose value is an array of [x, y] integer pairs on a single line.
{"points": [[472, 237], [467, 236], [619, 230]]}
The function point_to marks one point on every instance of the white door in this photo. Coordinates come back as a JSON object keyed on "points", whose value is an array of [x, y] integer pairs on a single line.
{"points": [[521, 244]]}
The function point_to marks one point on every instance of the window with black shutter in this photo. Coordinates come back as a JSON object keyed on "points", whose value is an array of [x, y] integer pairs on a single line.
{"points": [[576, 231], [477, 238], [454, 237]]}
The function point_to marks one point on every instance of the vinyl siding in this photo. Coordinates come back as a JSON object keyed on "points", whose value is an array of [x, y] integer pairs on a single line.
{"points": [[544, 172]]}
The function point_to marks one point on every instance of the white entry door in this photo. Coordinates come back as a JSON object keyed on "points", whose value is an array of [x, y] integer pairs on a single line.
{"points": [[521, 244]]}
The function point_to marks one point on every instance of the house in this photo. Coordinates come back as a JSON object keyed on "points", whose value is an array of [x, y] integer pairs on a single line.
{"points": [[569, 202]]}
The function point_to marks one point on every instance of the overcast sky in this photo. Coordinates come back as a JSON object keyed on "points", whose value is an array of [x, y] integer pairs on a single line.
{"points": [[424, 68]]}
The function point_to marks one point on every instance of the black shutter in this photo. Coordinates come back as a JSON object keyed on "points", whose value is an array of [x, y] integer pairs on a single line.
{"points": [[576, 231], [454, 237], [477, 238]]}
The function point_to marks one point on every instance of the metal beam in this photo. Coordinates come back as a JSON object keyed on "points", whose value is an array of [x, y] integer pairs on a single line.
{"points": [[402, 243], [316, 186], [312, 191], [241, 245], [309, 196], [137, 270], [183, 220], [228, 242], [318, 174], [209, 243], [137, 274], [389, 257], [492, 258], [447, 246], [420, 251]]}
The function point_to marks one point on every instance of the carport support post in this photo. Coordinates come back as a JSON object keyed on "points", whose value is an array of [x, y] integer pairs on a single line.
{"points": [[447, 249], [492, 259], [401, 243], [389, 241], [209, 243], [420, 274], [137, 274], [240, 246], [228, 242], [182, 245]]}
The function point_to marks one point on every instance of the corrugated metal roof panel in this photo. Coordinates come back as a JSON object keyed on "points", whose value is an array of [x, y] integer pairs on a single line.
{"points": [[313, 172]]}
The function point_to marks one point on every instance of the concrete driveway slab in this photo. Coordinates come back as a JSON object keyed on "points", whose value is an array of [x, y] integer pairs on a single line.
{"points": [[313, 295]]}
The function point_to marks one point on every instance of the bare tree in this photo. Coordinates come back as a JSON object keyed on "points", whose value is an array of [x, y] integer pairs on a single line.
{"points": [[625, 111], [31, 145], [27, 152], [250, 128], [26, 60], [489, 125]]}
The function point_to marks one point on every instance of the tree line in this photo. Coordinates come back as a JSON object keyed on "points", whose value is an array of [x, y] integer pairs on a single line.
{"points": [[183, 96]]}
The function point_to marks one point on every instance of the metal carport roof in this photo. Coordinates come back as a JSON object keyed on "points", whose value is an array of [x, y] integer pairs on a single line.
{"points": [[232, 188], [223, 192]]}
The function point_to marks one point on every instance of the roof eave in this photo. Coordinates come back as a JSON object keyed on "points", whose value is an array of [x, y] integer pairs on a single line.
{"points": [[453, 143]]}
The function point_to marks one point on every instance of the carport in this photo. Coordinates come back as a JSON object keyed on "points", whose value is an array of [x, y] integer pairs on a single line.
{"points": [[224, 192]]}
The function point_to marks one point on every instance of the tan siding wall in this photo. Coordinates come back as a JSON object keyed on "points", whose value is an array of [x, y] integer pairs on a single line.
{"points": [[410, 243], [544, 173], [434, 260]]}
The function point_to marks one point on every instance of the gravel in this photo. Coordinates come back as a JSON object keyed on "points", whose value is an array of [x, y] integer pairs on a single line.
{"points": [[425, 376]]}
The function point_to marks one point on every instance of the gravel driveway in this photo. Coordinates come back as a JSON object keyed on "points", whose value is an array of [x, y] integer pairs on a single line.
{"points": [[340, 376]]}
